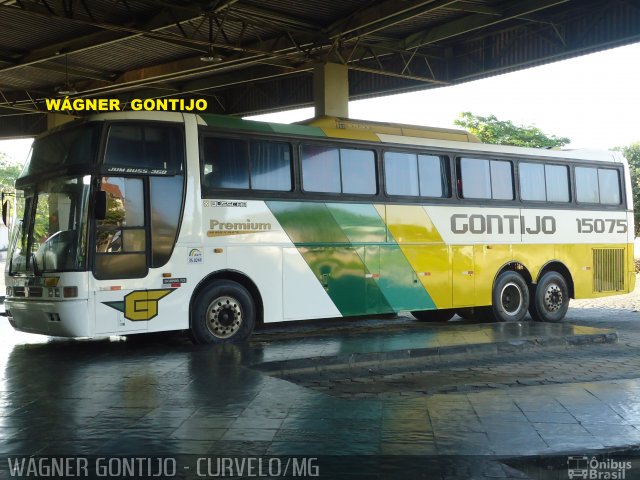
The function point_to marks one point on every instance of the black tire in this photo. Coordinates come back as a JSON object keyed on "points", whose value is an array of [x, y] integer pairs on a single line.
{"points": [[510, 298], [551, 298], [443, 315], [223, 312]]}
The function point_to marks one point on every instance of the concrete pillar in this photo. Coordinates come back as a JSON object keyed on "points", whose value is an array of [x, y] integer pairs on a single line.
{"points": [[331, 90], [57, 119]]}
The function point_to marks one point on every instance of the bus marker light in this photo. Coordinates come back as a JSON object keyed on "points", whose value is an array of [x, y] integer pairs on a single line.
{"points": [[218, 250], [175, 285], [51, 281], [69, 292], [166, 275], [115, 287]]}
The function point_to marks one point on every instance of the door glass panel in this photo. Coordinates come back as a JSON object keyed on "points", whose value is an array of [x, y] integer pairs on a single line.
{"points": [[122, 231]]}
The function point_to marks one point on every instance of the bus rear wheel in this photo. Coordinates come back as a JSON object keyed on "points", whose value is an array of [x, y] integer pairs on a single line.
{"points": [[223, 312], [551, 298], [510, 300], [442, 315]]}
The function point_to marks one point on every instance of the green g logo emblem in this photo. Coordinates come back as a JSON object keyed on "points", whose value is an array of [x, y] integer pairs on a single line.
{"points": [[140, 305]]}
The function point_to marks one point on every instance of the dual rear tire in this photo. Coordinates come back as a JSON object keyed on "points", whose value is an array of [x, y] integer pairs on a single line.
{"points": [[551, 298], [512, 298]]}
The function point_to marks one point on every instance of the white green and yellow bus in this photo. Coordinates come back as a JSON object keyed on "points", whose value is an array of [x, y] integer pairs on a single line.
{"points": [[134, 222]]}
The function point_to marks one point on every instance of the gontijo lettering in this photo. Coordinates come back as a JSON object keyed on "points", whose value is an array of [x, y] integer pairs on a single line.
{"points": [[478, 223]]}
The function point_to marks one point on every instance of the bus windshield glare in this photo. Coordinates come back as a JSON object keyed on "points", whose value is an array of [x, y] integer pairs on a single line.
{"points": [[50, 233]]}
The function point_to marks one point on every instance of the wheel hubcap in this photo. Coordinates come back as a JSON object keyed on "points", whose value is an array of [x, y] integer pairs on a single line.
{"points": [[224, 317], [511, 298], [553, 298]]}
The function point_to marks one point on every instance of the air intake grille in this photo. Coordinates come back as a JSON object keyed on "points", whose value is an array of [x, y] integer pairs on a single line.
{"points": [[608, 269]]}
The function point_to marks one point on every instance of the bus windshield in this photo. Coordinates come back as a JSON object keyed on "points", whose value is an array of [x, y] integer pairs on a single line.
{"points": [[50, 232]]}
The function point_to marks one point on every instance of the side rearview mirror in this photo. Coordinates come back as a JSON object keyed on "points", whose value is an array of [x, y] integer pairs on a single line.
{"points": [[100, 205], [6, 209]]}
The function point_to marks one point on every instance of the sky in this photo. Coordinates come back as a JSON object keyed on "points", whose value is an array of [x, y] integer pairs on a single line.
{"points": [[594, 100]]}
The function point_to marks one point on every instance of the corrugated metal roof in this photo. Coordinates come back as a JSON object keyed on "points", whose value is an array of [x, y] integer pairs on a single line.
{"points": [[267, 48]]}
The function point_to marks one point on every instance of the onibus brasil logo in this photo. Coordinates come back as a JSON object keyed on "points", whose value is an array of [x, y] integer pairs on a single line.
{"points": [[592, 468], [140, 304]]}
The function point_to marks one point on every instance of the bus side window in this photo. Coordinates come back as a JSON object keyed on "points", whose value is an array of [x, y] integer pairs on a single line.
{"points": [[485, 179], [240, 164], [415, 175], [338, 170], [598, 185]]}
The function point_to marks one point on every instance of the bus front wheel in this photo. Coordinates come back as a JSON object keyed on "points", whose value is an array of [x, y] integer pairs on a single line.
{"points": [[551, 298], [510, 297], [223, 312]]}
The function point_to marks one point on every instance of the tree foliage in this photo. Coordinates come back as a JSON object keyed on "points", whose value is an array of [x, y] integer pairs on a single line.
{"points": [[632, 153], [505, 132], [8, 173]]}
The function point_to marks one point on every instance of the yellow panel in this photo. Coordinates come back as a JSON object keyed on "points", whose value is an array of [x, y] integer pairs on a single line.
{"points": [[578, 259], [333, 126], [411, 224], [351, 134], [462, 275], [631, 285], [432, 266], [488, 259]]}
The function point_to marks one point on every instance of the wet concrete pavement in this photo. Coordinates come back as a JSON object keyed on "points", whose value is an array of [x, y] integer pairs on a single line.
{"points": [[166, 397]]}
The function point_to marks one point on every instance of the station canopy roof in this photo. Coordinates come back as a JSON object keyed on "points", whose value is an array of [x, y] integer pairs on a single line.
{"points": [[253, 56]]}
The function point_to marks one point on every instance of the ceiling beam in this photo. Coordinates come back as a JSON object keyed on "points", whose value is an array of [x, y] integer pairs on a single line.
{"points": [[383, 15], [473, 22], [282, 49]]}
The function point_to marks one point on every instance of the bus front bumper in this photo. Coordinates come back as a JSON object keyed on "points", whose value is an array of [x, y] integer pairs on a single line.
{"points": [[68, 318]]}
